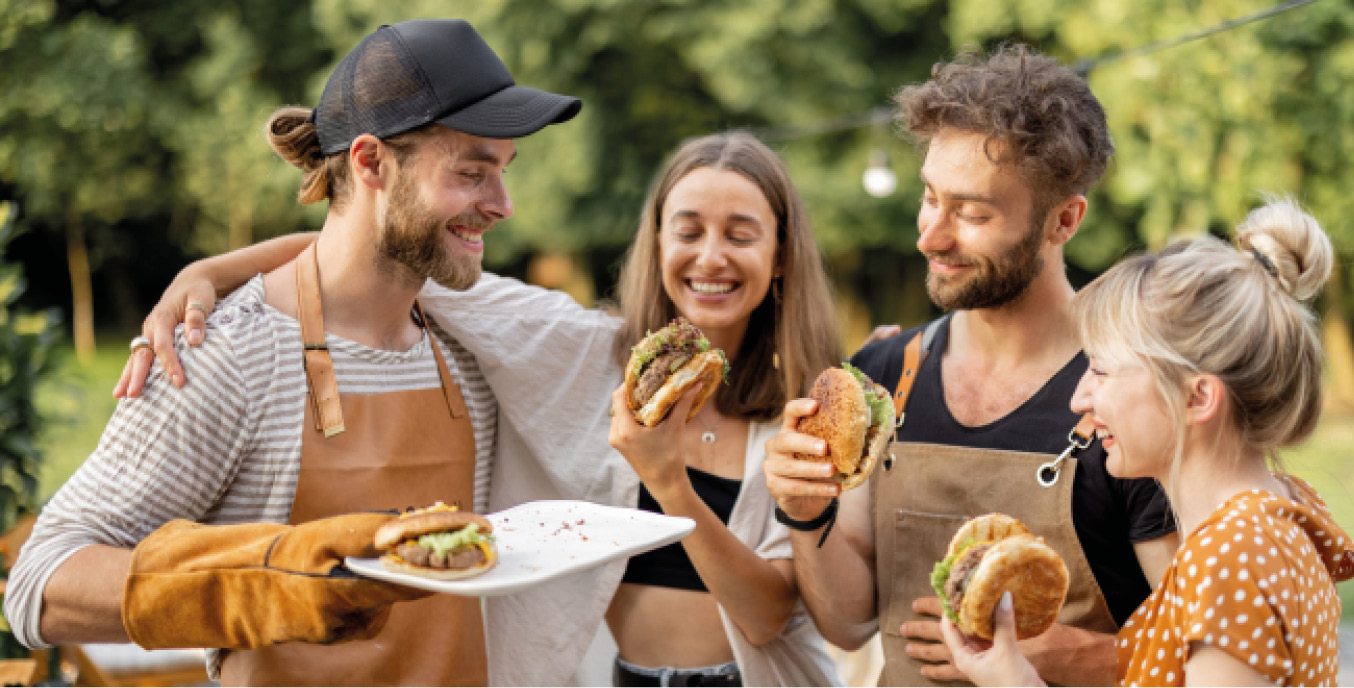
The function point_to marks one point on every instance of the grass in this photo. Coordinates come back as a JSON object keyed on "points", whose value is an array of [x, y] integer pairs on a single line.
{"points": [[80, 402]]}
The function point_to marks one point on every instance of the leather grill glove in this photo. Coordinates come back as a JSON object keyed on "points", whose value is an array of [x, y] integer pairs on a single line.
{"points": [[257, 584]]}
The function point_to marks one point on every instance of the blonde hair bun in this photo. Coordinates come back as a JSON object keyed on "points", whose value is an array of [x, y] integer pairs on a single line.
{"points": [[1298, 252]]}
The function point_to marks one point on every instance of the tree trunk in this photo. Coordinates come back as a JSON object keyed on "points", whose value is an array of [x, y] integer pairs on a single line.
{"points": [[1338, 343], [82, 293]]}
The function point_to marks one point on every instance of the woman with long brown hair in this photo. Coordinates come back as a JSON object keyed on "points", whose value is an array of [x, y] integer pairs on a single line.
{"points": [[724, 241]]}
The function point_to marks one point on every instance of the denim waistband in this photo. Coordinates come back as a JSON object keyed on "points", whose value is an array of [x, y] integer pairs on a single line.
{"points": [[627, 674]]}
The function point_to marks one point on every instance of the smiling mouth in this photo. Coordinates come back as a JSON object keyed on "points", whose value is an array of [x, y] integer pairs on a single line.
{"points": [[712, 288], [466, 235]]}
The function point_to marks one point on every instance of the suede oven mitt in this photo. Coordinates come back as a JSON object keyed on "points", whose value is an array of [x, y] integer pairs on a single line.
{"points": [[257, 584]]}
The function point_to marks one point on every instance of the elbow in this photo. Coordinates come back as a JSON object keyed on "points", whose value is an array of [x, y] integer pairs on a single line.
{"points": [[764, 633], [767, 628], [849, 637]]}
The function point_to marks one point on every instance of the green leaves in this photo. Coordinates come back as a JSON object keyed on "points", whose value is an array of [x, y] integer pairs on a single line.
{"points": [[26, 341]]}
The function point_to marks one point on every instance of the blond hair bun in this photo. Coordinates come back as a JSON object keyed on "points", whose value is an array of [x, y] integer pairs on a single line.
{"points": [[1296, 251]]}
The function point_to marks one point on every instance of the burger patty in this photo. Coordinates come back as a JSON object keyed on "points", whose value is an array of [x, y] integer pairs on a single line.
{"points": [[963, 571], [461, 558], [653, 377]]}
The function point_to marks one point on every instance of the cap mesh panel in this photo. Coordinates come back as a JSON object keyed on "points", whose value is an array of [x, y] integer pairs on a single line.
{"points": [[377, 89]]}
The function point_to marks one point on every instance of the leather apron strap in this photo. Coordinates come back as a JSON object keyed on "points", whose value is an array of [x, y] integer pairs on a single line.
{"points": [[399, 449], [932, 489], [324, 395]]}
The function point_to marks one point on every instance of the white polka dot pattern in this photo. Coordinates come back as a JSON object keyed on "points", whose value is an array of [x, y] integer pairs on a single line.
{"points": [[1256, 580]]}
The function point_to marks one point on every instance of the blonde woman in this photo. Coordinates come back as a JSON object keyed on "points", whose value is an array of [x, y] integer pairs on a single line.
{"points": [[1204, 361], [723, 240]]}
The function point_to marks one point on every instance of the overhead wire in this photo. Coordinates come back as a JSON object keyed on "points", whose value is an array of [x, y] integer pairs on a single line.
{"points": [[881, 114]]}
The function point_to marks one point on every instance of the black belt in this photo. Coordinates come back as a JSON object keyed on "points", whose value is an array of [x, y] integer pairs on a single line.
{"points": [[626, 674]]}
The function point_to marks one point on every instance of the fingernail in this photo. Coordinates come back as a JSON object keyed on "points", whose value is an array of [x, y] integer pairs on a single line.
{"points": [[1006, 604], [195, 336], [822, 446], [177, 379]]}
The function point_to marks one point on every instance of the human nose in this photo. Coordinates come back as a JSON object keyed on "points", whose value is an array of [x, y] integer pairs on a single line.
{"points": [[1081, 397], [711, 252], [496, 202], [936, 235]]}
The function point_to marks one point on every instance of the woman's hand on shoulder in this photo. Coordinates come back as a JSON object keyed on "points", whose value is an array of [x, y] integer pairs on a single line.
{"points": [[189, 299]]}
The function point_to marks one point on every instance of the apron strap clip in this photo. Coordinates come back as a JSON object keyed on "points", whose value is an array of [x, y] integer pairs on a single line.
{"points": [[1080, 437]]}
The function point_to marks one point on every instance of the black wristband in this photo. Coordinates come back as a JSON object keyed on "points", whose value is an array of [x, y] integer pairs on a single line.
{"points": [[828, 517]]}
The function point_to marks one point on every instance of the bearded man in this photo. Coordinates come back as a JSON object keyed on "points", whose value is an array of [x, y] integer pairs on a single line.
{"points": [[1013, 143], [325, 399]]}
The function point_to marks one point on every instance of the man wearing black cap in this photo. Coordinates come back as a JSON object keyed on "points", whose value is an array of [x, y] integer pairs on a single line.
{"points": [[219, 515]]}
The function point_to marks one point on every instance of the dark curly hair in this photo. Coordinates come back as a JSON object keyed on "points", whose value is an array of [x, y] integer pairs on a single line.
{"points": [[1037, 115]]}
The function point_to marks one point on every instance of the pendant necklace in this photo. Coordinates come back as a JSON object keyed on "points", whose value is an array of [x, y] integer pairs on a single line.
{"points": [[708, 437]]}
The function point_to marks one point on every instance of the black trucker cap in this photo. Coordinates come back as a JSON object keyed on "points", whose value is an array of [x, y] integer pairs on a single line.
{"points": [[430, 70]]}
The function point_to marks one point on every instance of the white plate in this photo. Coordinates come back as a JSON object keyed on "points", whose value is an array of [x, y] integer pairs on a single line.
{"points": [[540, 541]]}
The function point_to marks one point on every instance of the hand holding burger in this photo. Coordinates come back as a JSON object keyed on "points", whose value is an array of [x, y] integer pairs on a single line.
{"points": [[855, 419], [439, 542], [665, 364], [991, 555]]}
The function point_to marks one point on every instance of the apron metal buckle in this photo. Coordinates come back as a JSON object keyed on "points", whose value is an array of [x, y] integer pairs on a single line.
{"points": [[1048, 472]]}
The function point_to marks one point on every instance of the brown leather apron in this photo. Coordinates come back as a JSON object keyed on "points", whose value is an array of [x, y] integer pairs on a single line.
{"points": [[932, 489], [378, 452]]}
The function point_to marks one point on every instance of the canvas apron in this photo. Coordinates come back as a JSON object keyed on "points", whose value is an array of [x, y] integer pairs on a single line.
{"points": [[382, 451], [929, 490]]}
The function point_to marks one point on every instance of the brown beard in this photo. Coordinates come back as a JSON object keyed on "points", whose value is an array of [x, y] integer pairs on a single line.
{"points": [[997, 282], [412, 236]]}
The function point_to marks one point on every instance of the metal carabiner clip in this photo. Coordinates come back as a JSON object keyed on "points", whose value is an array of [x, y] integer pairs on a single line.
{"points": [[1048, 473]]}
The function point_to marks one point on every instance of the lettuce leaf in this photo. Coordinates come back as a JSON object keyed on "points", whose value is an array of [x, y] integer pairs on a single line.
{"points": [[881, 408], [441, 543], [941, 574]]}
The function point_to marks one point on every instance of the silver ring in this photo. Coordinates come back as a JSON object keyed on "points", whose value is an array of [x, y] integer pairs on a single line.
{"points": [[138, 343], [196, 306]]}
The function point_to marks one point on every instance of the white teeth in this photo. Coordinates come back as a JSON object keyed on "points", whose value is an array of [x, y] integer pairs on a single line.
{"points": [[712, 287], [1102, 433], [472, 238]]}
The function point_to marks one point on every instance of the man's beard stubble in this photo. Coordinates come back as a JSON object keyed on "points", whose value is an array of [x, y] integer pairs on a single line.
{"points": [[997, 282], [412, 236]]}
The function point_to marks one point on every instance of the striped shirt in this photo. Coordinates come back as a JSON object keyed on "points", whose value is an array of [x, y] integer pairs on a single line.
{"points": [[227, 447]]}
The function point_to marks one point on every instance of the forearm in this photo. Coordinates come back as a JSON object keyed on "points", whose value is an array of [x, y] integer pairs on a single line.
{"points": [[230, 270], [1074, 657], [837, 584], [82, 602], [758, 598]]}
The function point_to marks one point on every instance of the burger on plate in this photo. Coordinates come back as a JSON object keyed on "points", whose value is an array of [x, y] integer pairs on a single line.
{"points": [[855, 419], [665, 364], [990, 555], [438, 542]]}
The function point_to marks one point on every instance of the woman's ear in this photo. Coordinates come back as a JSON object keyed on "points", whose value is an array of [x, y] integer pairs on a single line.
{"points": [[364, 160], [1206, 399]]}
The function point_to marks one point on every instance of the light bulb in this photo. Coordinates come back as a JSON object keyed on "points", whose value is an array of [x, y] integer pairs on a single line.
{"points": [[879, 179]]}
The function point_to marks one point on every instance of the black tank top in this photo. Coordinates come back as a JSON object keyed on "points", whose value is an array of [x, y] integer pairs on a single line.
{"points": [[670, 567]]}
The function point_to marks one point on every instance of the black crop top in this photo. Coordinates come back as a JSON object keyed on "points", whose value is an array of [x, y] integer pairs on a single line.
{"points": [[670, 567]]}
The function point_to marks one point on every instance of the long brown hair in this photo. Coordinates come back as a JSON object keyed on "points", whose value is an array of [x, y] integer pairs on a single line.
{"points": [[799, 327]]}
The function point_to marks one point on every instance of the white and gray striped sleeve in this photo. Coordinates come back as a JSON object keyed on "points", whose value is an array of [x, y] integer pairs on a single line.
{"points": [[169, 454]]}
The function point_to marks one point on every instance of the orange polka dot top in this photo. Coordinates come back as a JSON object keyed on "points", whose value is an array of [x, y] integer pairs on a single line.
{"points": [[1255, 580]]}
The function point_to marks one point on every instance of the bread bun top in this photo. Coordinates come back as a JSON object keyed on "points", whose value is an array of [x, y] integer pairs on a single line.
{"points": [[986, 528], [431, 520], [1034, 574], [841, 420]]}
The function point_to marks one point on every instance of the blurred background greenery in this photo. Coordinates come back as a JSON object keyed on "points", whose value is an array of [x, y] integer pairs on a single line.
{"points": [[131, 142]]}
